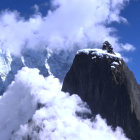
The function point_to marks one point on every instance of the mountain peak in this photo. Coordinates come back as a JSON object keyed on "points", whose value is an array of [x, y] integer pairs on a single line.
{"points": [[104, 81]]}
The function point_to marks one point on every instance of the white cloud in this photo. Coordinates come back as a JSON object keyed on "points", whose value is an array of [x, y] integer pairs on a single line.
{"points": [[73, 23], [55, 119], [128, 47], [17, 104], [36, 8]]}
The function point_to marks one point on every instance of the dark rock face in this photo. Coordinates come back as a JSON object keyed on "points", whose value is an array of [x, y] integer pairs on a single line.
{"points": [[109, 88], [107, 46]]}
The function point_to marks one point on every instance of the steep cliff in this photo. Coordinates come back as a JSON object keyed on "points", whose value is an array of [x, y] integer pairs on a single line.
{"points": [[105, 82]]}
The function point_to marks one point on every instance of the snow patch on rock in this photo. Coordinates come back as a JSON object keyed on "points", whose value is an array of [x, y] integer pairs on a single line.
{"points": [[99, 52], [5, 62]]}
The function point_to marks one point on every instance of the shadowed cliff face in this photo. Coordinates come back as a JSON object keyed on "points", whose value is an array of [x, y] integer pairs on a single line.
{"points": [[109, 88]]}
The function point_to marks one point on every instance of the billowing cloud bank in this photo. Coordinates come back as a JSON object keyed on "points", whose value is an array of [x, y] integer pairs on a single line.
{"points": [[72, 23], [49, 114]]}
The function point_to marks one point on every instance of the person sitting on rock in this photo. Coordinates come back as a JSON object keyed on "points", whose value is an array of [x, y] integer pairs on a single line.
{"points": [[107, 46]]}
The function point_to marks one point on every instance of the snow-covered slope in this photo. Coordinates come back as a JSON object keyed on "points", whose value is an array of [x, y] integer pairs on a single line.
{"points": [[9, 65], [5, 62], [56, 63]]}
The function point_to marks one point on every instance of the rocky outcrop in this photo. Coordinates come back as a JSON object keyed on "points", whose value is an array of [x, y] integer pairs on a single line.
{"points": [[105, 82]]}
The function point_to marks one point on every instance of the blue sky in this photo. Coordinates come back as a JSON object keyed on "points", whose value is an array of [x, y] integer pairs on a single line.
{"points": [[25, 7], [129, 32]]}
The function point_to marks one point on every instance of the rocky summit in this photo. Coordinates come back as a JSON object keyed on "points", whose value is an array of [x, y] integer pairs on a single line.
{"points": [[104, 81]]}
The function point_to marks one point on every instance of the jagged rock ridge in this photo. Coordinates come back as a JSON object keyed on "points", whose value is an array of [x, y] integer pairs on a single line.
{"points": [[104, 81], [46, 61]]}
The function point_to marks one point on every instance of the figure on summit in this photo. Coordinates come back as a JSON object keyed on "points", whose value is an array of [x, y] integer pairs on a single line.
{"points": [[107, 46]]}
